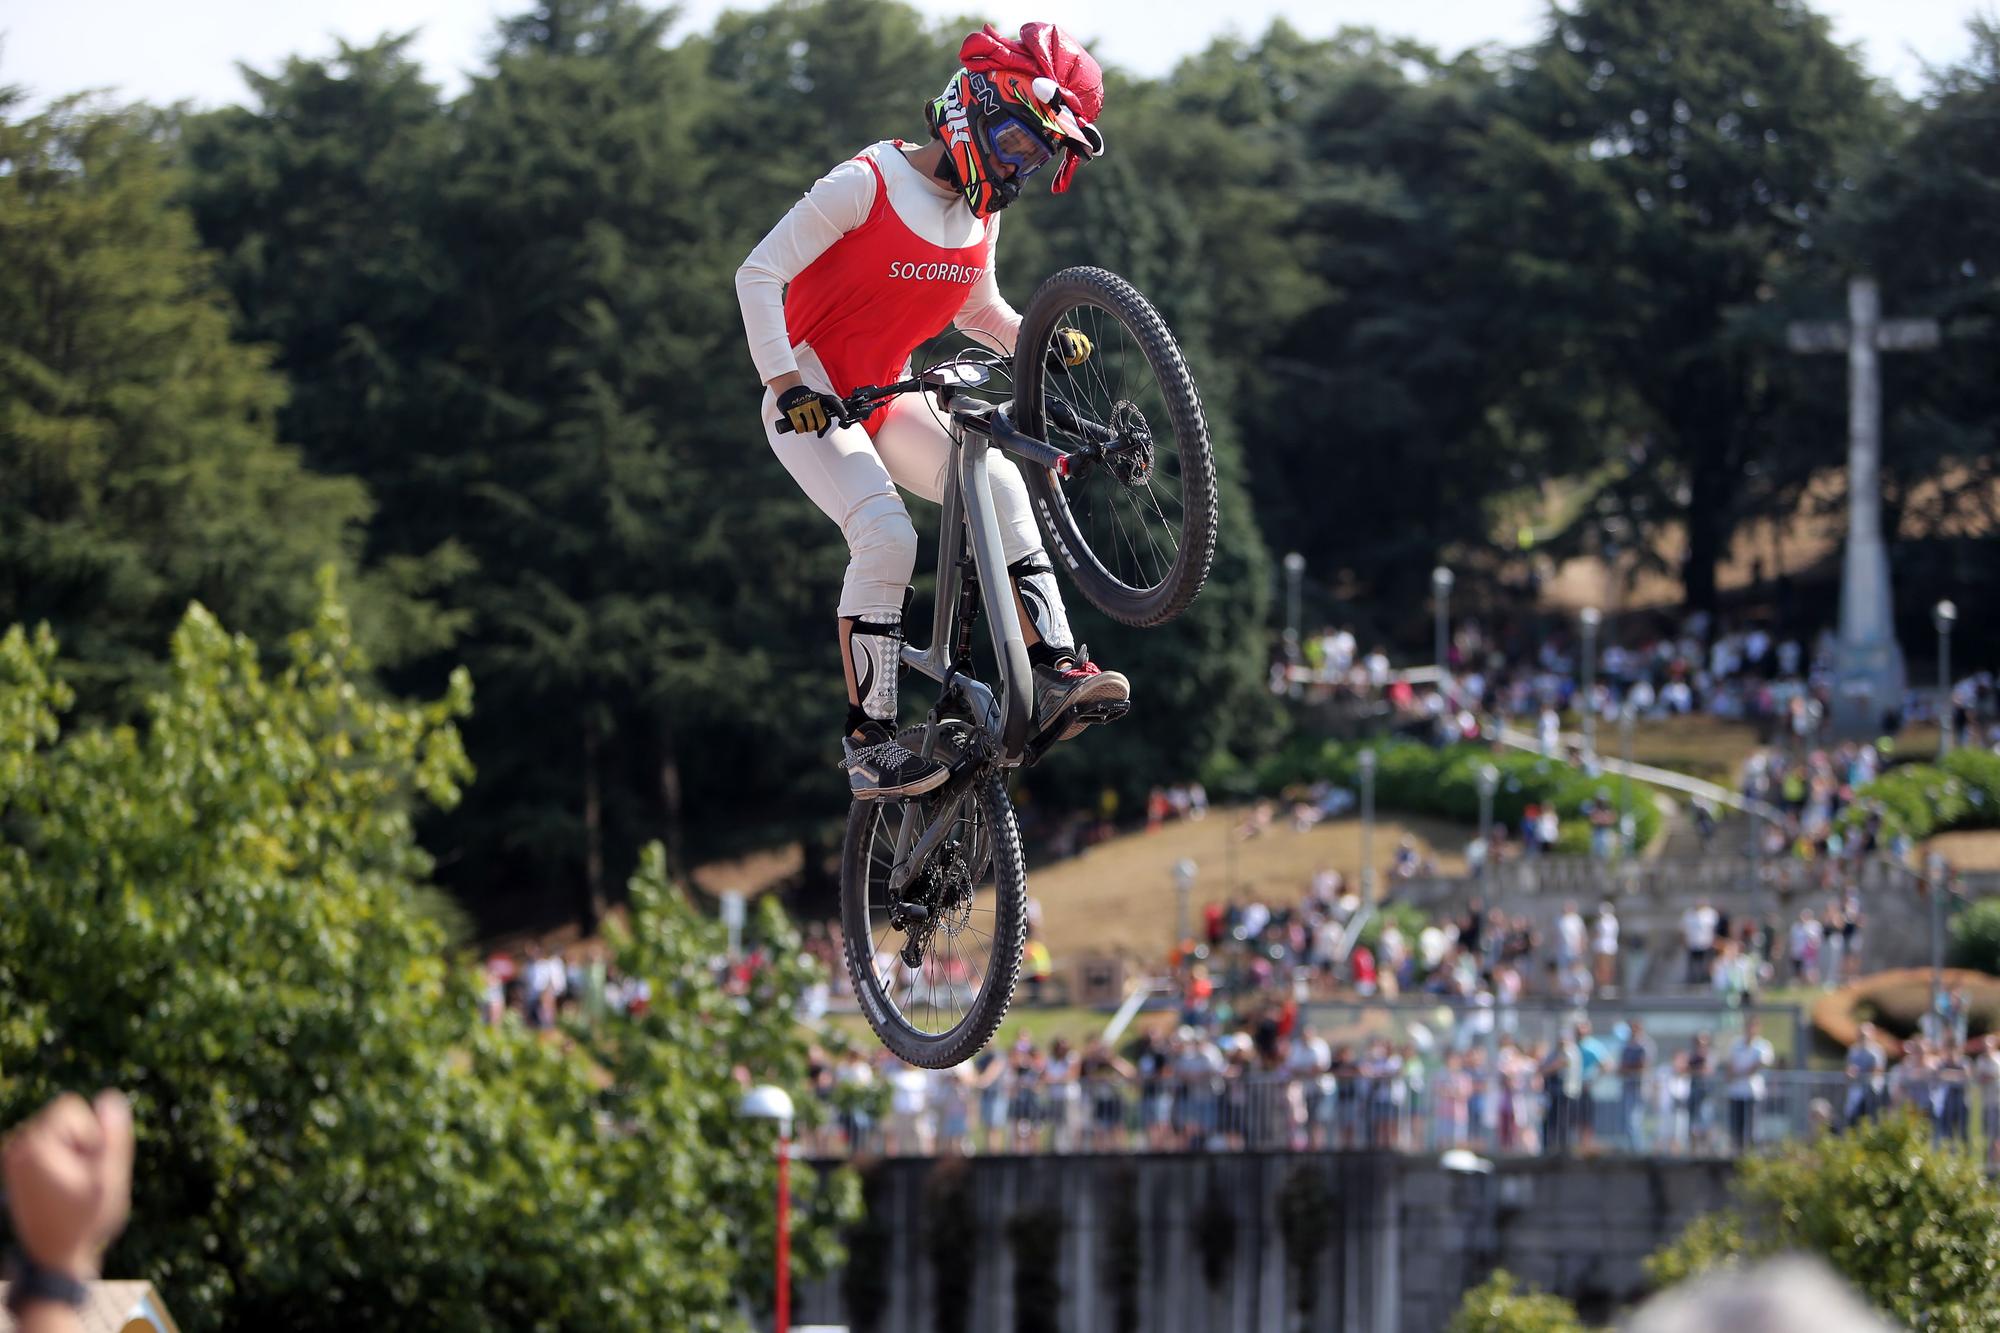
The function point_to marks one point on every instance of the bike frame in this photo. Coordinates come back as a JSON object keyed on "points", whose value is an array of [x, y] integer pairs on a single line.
{"points": [[970, 527]]}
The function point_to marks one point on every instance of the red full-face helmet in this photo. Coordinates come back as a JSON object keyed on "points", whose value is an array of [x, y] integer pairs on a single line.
{"points": [[1007, 113]]}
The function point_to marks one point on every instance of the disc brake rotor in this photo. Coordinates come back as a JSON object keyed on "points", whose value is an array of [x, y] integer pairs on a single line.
{"points": [[945, 897], [1131, 457]]}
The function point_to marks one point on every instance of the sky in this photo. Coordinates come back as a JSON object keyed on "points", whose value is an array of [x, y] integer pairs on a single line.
{"points": [[143, 50]]}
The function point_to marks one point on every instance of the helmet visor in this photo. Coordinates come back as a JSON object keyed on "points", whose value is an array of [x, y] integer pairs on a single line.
{"points": [[1016, 144]]}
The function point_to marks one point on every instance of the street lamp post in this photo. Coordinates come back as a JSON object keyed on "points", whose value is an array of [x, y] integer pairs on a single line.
{"points": [[1441, 581], [1295, 568], [1944, 617], [1756, 809], [768, 1103], [1590, 616], [1627, 824], [1184, 873], [1936, 870], [1366, 760], [1489, 782]]}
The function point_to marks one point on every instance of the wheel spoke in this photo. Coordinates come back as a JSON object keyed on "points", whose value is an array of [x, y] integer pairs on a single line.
{"points": [[960, 938]]}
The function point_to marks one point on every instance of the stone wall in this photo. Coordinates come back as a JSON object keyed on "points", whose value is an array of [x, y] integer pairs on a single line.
{"points": [[1249, 1242]]}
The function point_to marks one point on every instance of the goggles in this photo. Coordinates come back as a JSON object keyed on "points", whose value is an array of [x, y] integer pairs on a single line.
{"points": [[1014, 142]]}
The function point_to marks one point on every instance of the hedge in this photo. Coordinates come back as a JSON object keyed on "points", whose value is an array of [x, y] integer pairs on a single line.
{"points": [[1418, 779], [1918, 800]]}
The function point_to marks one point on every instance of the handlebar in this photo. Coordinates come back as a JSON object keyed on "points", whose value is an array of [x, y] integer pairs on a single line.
{"points": [[864, 400], [985, 418]]}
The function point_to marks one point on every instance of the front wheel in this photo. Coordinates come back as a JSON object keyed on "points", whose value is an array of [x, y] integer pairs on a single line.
{"points": [[934, 967], [1134, 521]]}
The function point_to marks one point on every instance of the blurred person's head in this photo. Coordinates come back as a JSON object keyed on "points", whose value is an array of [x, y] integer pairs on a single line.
{"points": [[1789, 1295]]}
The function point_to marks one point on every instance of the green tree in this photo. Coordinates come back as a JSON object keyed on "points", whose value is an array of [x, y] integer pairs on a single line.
{"points": [[1911, 1223], [1656, 197], [321, 203], [1369, 330], [139, 461], [1501, 1304], [590, 449], [212, 910]]}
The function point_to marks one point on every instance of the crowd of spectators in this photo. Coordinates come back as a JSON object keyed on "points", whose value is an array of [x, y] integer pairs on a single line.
{"points": [[1942, 1077], [542, 986], [1325, 945], [1533, 674], [1272, 1082]]}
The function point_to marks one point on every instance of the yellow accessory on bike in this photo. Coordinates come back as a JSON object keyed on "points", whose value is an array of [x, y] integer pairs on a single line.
{"points": [[1072, 347]]}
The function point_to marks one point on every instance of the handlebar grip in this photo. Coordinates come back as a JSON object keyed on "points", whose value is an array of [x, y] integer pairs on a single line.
{"points": [[784, 425]]}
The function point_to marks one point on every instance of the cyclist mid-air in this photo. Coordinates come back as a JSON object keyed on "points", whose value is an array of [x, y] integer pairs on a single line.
{"points": [[878, 256]]}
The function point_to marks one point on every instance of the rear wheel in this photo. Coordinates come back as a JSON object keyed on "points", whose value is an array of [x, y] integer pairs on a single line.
{"points": [[934, 967], [1135, 521]]}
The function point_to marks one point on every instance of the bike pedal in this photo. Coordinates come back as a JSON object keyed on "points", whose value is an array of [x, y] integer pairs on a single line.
{"points": [[1107, 710]]}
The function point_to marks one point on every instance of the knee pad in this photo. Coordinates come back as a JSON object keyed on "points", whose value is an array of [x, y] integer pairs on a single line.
{"points": [[1036, 579], [882, 554]]}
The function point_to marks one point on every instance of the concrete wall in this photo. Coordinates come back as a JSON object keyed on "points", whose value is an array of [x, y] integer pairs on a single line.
{"points": [[1402, 1238]]}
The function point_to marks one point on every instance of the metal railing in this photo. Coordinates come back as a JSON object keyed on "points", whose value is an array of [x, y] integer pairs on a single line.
{"points": [[1658, 1113], [1659, 877]]}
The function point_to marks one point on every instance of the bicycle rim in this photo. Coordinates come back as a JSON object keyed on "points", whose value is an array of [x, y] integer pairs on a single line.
{"points": [[1135, 522], [935, 987]]}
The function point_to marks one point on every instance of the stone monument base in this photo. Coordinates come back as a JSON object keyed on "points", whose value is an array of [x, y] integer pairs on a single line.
{"points": [[1868, 683]]}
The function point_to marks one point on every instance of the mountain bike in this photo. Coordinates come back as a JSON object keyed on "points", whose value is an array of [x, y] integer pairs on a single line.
{"points": [[1122, 476]]}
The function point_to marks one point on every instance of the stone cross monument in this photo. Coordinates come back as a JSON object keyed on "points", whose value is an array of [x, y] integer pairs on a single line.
{"points": [[1868, 671]]}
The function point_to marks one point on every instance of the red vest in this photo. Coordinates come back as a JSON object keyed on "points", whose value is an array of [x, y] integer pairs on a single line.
{"points": [[876, 293]]}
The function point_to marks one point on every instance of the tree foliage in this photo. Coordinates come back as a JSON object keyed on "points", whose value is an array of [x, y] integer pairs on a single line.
{"points": [[212, 910], [1501, 1304], [1911, 1223], [139, 461], [1661, 174]]}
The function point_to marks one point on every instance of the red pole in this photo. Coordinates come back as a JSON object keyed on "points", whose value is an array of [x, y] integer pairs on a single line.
{"points": [[784, 1233]]}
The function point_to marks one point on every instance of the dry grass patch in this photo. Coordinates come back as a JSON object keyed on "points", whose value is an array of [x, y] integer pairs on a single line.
{"points": [[1118, 898]]}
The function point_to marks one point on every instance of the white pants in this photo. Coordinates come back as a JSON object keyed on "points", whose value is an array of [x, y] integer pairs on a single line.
{"points": [[853, 479]]}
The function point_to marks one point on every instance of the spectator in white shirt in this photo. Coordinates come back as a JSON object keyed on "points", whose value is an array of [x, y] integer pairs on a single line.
{"points": [[1803, 947], [1604, 944], [1548, 827], [1570, 936], [1698, 934], [1749, 1056]]}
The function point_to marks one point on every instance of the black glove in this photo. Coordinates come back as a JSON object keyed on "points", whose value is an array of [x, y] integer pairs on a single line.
{"points": [[808, 410], [1069, 348]]}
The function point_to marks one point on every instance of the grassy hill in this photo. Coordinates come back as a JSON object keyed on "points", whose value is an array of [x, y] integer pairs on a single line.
{"points": [[1118, 898]]}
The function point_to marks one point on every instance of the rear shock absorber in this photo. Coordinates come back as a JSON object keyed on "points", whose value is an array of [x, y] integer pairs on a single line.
{"points": [[968, 612]]}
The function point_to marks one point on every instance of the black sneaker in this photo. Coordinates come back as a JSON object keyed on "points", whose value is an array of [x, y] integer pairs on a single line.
{"points": [[881, 767], [1077, 692]]}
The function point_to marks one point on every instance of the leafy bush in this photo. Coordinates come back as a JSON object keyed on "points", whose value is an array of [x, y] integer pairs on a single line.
{"points": [[1420, 780], [1501, 1305], [1409, 918], [214, 910], [1979, 771], [1975, 937], [1911, 1224], [1918, 800]]}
